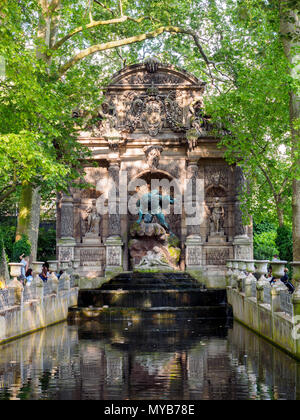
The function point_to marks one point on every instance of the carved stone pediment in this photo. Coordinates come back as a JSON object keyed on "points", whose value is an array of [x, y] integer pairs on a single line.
{"points": [[150, 98], [153, 72]]}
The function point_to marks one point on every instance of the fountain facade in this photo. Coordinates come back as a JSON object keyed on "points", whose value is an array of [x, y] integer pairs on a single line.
{"points": [[151, 127]]}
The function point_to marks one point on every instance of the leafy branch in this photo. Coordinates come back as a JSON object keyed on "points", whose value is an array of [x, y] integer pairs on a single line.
{"points": [[95, 24]]}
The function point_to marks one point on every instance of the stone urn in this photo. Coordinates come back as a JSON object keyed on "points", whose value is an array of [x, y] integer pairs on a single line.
{"points": [[76, 264], [235, 264], [296, 271], [262, 268], [250, 266], [15, 269], [64, 265], [37, 283], [53, 265], [229, 264], [37, 267], [242, 265], [278, 268], [296, 276]]}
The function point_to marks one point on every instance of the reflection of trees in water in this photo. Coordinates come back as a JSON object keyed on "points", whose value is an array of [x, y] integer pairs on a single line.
{"points": [[152, 360]]}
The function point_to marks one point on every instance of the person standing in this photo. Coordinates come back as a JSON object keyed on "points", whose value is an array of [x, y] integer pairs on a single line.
{"points": [[25, 265]]}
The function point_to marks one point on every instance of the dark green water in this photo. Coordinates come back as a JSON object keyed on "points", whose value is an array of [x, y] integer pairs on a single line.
{"points": [[146, 360]]}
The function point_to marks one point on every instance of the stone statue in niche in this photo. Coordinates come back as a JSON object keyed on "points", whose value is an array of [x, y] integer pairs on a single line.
{"points": [[93, 220], [153, 155], [106, 119], [217, 218], [92, 224]]}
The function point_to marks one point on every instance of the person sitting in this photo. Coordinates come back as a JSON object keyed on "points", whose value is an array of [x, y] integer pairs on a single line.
{"points": [[275, 258], [286, 282], [29, 277], [45, 272]]}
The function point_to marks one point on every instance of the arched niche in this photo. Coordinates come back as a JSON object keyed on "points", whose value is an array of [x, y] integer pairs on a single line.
{"points": [[175, 189]]}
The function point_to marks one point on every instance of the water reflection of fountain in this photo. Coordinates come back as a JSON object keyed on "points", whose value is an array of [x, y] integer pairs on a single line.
{"points": [[146, 360]]}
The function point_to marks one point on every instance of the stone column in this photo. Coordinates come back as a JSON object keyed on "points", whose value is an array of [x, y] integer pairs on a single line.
{"points": [[114, 220], [191, 198], [66, 243], [242, 243], [193, 243], [114, 243]]}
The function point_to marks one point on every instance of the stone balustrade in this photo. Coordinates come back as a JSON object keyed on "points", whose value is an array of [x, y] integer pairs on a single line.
{"points": [[24, 309], [269, 310], [243, 275]]}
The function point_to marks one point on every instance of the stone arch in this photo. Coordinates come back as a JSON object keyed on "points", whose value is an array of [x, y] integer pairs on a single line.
{"points": [[151, 173], [215, 191]]}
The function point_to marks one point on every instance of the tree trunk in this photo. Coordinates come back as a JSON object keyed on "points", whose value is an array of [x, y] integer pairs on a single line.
{"points": [[280, 215], [290, 29], [33, 232], [25, 206]]}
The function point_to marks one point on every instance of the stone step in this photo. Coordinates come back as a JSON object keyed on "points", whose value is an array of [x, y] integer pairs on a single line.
{"points": [[151, 298], [183, 287], [152, 318]]}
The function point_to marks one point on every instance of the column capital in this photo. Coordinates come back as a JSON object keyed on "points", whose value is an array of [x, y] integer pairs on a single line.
{"points": [[114, 161], [192, 161]]}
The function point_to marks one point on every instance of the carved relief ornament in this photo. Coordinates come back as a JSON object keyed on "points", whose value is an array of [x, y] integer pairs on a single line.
{"points": [[151, 111], [153, 156]]}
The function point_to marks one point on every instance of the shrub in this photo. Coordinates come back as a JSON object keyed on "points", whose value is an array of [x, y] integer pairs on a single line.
{"points": [[264, 226], [4, 272], [264, 245], [20, 247], [284, 243], [8, 234], [46, 244]]}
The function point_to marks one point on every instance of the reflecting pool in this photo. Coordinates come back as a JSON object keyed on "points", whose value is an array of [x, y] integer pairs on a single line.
{"points": [[146, 359]]}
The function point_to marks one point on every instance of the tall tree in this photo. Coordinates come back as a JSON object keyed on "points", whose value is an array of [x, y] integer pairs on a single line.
{"points": [[290, 30], [44, 43]]}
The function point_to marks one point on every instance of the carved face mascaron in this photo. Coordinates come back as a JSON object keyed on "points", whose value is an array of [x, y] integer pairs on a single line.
{"points": [[152, 117]]}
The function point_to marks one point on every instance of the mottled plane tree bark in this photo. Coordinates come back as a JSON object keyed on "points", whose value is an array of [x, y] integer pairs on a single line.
{"points": [[290, 31]]}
